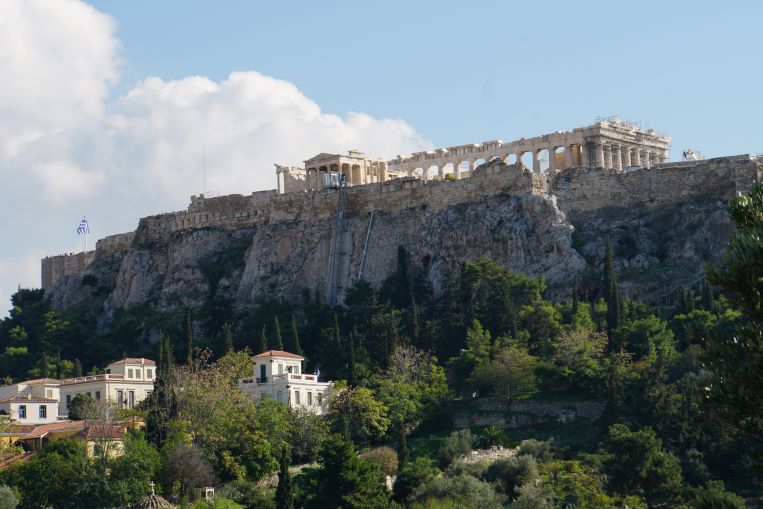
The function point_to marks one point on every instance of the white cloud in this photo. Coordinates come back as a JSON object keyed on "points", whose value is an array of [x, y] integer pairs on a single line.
{"points": [[67, 150]]}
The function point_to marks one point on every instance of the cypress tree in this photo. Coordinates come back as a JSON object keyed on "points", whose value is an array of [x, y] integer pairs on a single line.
{"points": [[402, 446], [277, 340], [77, 368], [351, 358], [189, 338], [263, 347], [707, 296], [284, 496], [612, 294], [415, 330], [228, 337], [295, 347], [162, 403]]}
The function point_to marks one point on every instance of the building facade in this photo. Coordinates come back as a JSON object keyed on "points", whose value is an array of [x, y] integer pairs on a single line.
{"points": [[126, 382], [31, 402], [278, 375]]}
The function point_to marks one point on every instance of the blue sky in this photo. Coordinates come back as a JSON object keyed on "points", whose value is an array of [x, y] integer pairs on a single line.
{"points": [[107, 105], [462, 72]]}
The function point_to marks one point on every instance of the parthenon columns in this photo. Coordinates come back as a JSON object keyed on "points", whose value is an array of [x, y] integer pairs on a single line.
{"points": [[626, 157], [551, 159]]}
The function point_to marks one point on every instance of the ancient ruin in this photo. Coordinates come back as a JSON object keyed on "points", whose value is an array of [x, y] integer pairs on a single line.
{"points": [[609, 144]]}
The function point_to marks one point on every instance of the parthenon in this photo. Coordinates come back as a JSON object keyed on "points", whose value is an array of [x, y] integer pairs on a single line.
{"points": [[608, 144]]}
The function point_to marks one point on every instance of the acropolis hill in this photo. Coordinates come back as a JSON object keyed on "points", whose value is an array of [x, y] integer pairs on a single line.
{"points": [[342, 217]]}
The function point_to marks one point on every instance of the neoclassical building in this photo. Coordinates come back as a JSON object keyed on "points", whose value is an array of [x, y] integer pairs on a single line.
{"points": [[278, 375], [609, 144]]}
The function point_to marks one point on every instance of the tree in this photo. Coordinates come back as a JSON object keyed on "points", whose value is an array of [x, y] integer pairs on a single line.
{"points": [[611, 292], [637, 464], [736, 360], [132, 472], [163, 401], [466, 491], [228, 338], [263, 344], [346, 481], [511, 373], [276, 340], [189, 339], [412, 475], [384, 457], [508, 474], [458, 444], [357, 408], [294, 345], [715, 496], [83, 407], [284, 496], [647, 338], [187, 466]]}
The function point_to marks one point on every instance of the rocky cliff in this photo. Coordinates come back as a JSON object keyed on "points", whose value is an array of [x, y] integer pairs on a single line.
{"points": [[664, 222]]}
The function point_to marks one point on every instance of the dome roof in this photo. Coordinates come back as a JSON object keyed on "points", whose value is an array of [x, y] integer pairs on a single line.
{"points": [[153, 502]]}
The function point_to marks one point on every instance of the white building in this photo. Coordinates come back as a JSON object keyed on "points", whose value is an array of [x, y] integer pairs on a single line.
{"points": [[126, 382], [31, 402], [279, 375]]}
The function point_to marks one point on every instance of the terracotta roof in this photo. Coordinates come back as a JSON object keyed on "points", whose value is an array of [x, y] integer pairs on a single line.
{"points": [[277, 353], [117, 432], [134, 360], [41, 381], [43, 429], [24, 399]]}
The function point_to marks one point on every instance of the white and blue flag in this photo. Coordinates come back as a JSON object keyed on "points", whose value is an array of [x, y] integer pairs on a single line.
{"points": [[83, 228]]}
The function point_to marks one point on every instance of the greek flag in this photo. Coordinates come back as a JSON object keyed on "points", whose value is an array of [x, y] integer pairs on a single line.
{"points": [[83, 227]]}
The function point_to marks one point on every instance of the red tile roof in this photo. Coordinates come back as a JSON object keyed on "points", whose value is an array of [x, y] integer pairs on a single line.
{"points": [[43, 429], [134, 360], [277, 353]]}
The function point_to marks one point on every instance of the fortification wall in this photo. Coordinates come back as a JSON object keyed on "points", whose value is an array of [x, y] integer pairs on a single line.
{"points": [[56, 267], [585, 189], [113, 244], [235, 211]]}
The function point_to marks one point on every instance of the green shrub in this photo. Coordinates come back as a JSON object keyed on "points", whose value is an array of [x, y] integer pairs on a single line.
{"points": [[457, 444], [385, 457]]}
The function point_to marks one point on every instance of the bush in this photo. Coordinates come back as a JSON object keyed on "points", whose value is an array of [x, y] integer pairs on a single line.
{"points": [[715, 496], [492, 436], [508, 474], [414, 474], [385, 457], [541, 451], [465, 490], [456, 445], [7, 498]]}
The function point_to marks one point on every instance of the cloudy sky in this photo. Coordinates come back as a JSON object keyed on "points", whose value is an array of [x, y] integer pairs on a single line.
{"points": [[105, 107]]}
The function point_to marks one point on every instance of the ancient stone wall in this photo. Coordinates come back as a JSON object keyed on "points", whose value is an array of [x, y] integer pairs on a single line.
{"points": [[56, 267]]}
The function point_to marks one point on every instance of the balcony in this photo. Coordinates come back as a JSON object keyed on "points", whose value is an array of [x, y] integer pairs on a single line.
{"points": [[292, 377]]}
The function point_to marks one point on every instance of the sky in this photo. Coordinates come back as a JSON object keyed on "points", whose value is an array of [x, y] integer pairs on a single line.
{"points": [[106, 107]]}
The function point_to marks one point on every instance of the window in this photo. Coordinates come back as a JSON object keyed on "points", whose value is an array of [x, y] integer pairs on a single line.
{"points": [[149, 374], [296, 369], [130, 399], [43, 411], [280, 369], [97, 395], [49, 393], [279, 396], [121, 399], [22, 411], [68, 399], [296, 398], [129, 373], [309, 398], [320, 398]]}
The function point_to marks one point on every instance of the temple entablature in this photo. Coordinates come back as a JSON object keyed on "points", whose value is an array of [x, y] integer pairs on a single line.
{"points": [[610, 144]]}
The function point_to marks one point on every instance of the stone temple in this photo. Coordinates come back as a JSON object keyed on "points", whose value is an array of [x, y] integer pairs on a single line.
{"points": [[609, 144]]}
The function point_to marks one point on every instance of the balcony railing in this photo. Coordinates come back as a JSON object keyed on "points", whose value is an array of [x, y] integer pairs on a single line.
{"points": [[294, 376], [93, 378]]}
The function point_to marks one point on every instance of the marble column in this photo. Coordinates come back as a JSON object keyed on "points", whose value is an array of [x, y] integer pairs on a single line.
{"points": [[608, 159], [569, 156], [647, 163], [599, 156], [626, 153], [536, 161], [551, 159], [636, 157], [617, 156], [278, 182]]}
